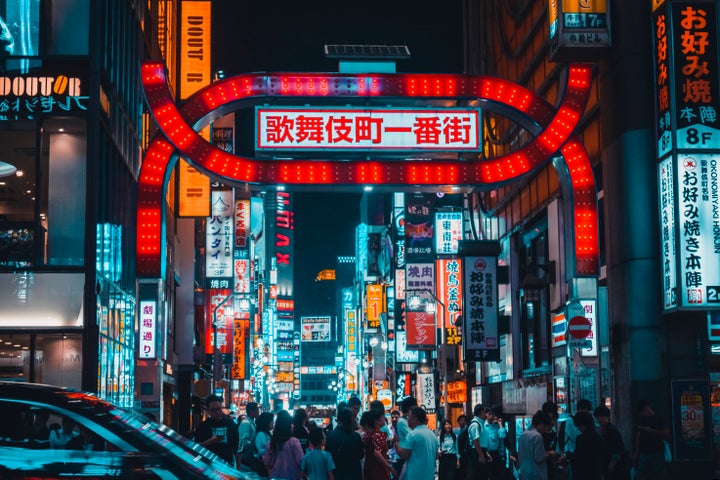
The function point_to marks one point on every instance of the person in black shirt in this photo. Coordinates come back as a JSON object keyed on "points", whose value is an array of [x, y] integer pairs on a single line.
{"points": [[586, 461], [300, 429], [346, 447], [652, 431], [614, 460], [218, 433]]}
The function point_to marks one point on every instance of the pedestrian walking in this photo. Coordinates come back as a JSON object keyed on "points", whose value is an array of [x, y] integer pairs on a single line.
{"points": [[420, 448], [246, 433], [494, 430], [317, 464], [463, 447], [651, 434], [392, 433], [614, 460], [283, 454], [586, 460], [478, 457], [299, 427], [531, 449], [218, 432], [264, 425], [403, 427], [550, 441], [449, 459], [377, 465], [346, 447]]}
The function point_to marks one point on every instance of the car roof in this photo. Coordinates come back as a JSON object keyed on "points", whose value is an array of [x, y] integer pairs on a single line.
{"points": [[53, 395]]}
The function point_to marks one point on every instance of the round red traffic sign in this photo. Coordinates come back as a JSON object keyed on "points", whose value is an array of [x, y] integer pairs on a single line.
{"points": [[579, 327]]}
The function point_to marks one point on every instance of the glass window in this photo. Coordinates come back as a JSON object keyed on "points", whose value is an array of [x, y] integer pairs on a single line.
{"points": [[69, 27], [14, 356], [58, 359], [42, 205], [62, 209]]}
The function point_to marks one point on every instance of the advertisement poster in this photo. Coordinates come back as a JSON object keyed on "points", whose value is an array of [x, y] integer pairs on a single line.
{"points": [[691, 419], [315, 329]]}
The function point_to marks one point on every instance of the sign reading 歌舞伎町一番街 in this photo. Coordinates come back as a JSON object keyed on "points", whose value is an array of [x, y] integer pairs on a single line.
{"points": [[377, 129]]}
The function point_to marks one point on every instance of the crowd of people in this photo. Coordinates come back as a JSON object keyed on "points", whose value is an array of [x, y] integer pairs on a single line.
{"points": [[366, 446]]}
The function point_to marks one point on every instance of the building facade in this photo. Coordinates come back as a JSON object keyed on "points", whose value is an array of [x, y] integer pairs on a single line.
{"points": [[644, 348]]}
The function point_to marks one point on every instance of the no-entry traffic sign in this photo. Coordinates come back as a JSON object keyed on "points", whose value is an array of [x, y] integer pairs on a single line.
{"points": [[579, 327]]}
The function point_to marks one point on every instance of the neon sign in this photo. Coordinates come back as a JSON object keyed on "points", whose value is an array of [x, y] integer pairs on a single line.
{"points": [[179, 124]]}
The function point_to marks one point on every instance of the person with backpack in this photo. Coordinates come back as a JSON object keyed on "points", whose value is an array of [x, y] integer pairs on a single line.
{"points": [[478, 457]]}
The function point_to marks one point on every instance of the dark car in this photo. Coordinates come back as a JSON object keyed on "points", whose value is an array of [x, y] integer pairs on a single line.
{"points": [[54, 432]]}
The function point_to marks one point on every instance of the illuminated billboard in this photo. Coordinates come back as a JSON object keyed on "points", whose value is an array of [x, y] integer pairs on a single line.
{"points": [[315, 329], [386, 129], [194, 46]]}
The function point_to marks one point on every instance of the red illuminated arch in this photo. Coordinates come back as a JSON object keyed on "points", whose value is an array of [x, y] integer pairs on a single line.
{"points": [[178, 127]]}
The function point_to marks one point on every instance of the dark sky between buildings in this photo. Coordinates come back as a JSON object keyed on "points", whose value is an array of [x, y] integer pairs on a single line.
{"points": [[284, 36]]}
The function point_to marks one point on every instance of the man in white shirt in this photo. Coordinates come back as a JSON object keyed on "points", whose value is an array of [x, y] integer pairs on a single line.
{"points": [[531, 449], [477, 437], [246, 432], [420, 447]]}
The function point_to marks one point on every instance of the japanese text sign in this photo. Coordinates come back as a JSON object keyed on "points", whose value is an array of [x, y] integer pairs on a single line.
{"points": [[480, 328], [367, 129], [695, 75], [448, 232], [426, 391], [421, 330], [402, 354], [449, 289], [699, 233], [668, 232], [219, 239], [375, 305], [147, 331]]}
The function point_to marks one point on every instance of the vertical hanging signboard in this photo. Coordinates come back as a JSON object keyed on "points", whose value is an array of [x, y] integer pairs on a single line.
{"points": [[687, 100], [480, 298]]}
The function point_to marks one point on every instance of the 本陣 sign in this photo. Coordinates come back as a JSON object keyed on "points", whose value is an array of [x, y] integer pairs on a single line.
{"points": [[699, 238], [695, 75], [480, 328], [367, 129]]}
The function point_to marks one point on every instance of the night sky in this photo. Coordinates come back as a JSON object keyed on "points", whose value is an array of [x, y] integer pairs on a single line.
{"points": [[289, 36]]}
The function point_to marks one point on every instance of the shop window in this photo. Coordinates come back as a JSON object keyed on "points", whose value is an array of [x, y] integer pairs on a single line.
{"points": [[58, 359], [42, 205], [14, 357]]}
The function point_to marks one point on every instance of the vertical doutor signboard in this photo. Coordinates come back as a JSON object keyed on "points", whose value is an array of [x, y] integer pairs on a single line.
{"points": [[688, 151], [481, 341]]}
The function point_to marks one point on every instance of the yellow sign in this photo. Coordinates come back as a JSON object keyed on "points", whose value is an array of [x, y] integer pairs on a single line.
{"points": [[194, 47], [193, 191], [375, 305], [553, 16], [584, 6]]}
